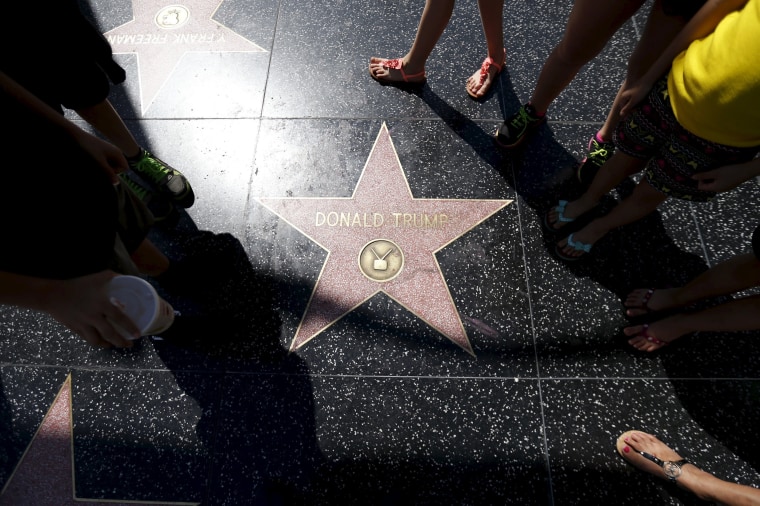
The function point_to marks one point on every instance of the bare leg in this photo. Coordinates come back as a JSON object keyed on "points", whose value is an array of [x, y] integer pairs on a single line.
{"points": [[149, 259], [491, 15], [104, 118], [434, 19], [617, 168], [734, 275], [590, 25], [732, 316], [658, 33], [701, 483], [644, 199]]}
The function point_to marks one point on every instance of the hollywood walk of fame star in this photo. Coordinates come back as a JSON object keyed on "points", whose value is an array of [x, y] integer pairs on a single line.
{"points": [[45, 474], [162, 32], [382, 239]]}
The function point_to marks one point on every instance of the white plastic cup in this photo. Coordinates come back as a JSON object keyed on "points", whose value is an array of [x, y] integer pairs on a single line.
{"points": [[142, 304]]}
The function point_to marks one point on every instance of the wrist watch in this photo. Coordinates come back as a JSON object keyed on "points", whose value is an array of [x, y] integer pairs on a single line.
{"points": [[673, 469]]}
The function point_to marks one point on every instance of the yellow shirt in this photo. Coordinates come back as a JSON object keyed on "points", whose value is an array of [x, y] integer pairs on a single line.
{"points": [[714, 85]]}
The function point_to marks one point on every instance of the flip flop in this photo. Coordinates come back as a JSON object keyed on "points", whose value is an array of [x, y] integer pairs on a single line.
{"points": [[646, 335], [484, 69], [577, 246], [644, 306], [398, 64], [561, 218]]}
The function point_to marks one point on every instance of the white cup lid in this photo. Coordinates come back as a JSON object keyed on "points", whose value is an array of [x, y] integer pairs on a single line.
{"points": [[138, 297]]}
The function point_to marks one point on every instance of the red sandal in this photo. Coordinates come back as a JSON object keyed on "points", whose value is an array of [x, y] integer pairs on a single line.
{"points": [[397, 64], [484, 70]]}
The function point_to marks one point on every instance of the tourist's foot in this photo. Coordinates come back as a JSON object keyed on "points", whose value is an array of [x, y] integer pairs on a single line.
{"points": [[653, 336], [579, 243], [649, 300], [480, 82], [516, 129], [165, 178], [566, 212], [631, 444], [599, 151], [396, 70]]}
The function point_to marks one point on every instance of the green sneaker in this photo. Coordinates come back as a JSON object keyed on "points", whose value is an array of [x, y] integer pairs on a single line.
{"points": [[598, 154], [162, 210], [167, 179], [515, 130]]}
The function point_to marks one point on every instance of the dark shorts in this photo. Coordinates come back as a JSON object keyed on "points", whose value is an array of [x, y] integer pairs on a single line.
{"points": [[60, 216], [673, 153], [70, 64]]}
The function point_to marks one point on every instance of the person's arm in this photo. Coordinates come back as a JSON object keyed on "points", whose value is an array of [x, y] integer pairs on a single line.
{"points": [[108, 157], [702, 24], [727, 177], [81, 304]]}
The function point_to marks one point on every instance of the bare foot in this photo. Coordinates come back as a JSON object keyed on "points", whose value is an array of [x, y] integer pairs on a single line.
{"points": [[648, 300], [397, 70], [480, 82], [630, 443], [651, 337]]}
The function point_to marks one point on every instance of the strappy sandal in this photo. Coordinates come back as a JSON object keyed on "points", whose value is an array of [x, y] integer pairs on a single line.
{"points": [[484, 70], [644, 306], [648, 314], [672, 469], [644, 333], [398, 64]]}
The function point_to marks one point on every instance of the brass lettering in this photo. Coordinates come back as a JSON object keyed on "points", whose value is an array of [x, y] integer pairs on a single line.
{"points": [[196, 38], [377, 220]]}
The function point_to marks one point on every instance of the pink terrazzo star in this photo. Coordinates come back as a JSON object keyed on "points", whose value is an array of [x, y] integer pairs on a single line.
{"points": [[363, 234], [162, 32], [45, 474]]}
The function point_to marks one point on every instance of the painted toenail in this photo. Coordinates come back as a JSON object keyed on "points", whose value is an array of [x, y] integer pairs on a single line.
{"points": [[626, 449]]}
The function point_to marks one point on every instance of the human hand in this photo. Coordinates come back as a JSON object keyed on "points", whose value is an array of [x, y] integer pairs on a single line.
{"points": [[108, 157], [727, 177], [84, 306], [633, 95]]}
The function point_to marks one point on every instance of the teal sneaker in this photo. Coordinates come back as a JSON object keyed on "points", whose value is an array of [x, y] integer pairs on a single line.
{"points": [[598, 154], [161, 208], [515, 130], [164, 177]]}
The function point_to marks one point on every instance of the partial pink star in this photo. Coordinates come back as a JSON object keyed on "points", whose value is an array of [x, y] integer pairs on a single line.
{"points": [[45, 474], [162, 32], [420, 228]]}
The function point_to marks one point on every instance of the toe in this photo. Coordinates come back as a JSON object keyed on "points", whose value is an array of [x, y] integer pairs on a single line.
{"points": [[633, 331]]}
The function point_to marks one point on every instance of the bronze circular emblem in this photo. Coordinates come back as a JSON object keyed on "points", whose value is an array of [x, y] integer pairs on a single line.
{"points": [[172, 16], [381, 260]]}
